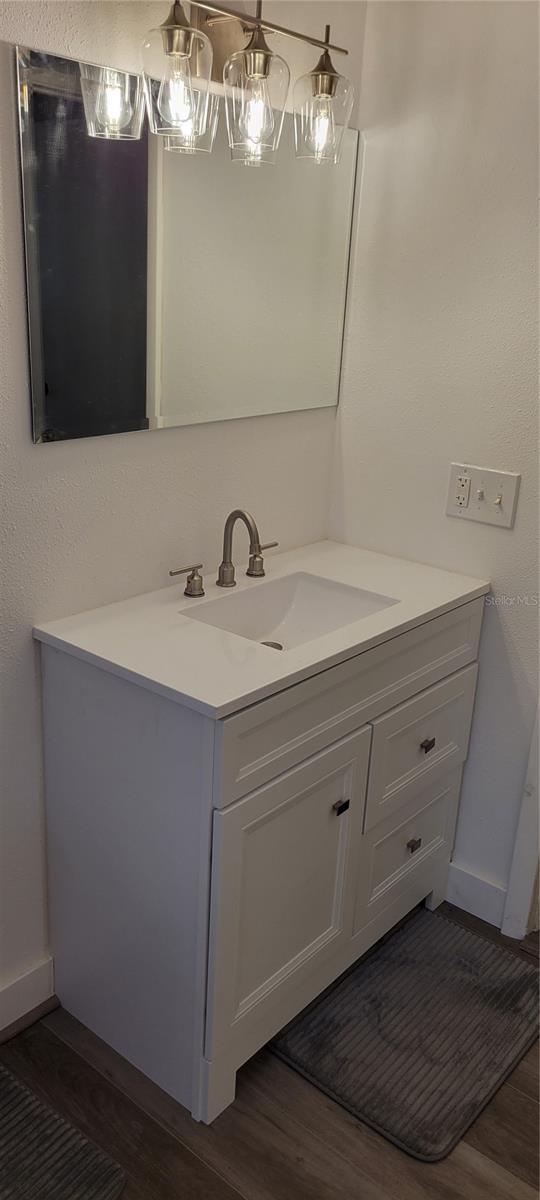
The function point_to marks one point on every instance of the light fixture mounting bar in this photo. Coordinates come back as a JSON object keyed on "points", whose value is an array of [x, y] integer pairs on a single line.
{"points": [[270, 26]]}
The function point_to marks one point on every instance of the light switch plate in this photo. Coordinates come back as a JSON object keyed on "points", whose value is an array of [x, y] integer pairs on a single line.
{"points": [[480, 494]]}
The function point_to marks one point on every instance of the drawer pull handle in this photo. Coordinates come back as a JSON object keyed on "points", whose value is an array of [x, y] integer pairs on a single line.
{"points": [[427, 745], [414, 844], [340, 807]]}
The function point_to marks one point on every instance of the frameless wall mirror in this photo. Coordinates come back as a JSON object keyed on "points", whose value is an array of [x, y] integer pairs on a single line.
{"points": [[167, 288]]}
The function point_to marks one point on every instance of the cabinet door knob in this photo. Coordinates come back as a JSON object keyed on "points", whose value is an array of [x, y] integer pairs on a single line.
{"points": [[427, 745], [414, 844], [340, 807]]}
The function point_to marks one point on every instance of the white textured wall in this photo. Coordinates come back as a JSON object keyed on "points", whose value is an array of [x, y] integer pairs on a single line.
{"points": [[88, 522], [441, 346]]}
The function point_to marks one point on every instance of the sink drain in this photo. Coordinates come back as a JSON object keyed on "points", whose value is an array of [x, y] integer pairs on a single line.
{"points": [[273, 645]]}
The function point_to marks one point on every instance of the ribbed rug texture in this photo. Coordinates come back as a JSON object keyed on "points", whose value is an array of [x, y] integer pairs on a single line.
{"points": [[43, 1157], [417, 1038]]}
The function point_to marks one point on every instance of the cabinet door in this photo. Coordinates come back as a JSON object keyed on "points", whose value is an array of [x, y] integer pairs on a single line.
{"points": [[282, 894]]}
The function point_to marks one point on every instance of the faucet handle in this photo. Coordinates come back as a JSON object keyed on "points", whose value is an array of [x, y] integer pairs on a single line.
{"points": [[194, 583], [256, 561]]}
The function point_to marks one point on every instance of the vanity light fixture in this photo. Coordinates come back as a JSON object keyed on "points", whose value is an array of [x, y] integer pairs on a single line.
{"points": [[177, 69], [256, 83], [177, 64], [113, 102], [323, 101]]}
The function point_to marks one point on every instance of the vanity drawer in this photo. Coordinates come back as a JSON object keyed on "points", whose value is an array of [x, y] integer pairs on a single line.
{"points": [[419, 741], [397, 857], [270, 737]]}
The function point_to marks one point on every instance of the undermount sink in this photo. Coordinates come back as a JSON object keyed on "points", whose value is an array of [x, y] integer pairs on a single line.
{"points": [[289, 611]]}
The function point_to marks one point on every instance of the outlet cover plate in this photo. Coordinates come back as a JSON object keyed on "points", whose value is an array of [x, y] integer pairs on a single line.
{"points": [[491, 496]]}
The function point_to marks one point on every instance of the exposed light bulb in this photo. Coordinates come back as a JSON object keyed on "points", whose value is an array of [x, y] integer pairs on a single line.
{"points": [[323, 101], [186, 134], [256, 82], [321, 135], [113, 106], [175, 100], [256, 122]]}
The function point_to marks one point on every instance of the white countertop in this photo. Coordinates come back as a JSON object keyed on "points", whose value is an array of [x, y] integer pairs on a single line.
{"points": [[148, 640]]}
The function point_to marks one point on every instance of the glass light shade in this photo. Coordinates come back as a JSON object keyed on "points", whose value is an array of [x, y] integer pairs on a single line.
{"points": [[320, 120], [254, 108], [176, 84], [113, 102], [187, 142]]}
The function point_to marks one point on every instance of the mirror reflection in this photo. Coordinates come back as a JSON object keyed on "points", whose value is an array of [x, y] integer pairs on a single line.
{"points": [[167, 288]]}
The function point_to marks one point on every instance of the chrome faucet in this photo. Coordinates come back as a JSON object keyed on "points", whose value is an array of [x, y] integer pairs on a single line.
{"points": [[256, 562]]}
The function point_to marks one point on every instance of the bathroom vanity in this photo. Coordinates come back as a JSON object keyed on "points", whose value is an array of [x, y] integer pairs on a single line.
{"points": [[230, 826]]}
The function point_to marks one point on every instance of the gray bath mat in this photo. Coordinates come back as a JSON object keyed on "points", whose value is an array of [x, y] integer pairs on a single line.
{"points": [[43, 1157], [420, 1035]]}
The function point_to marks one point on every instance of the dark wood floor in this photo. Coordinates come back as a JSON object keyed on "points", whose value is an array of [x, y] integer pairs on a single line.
{"points": [[281, 1139]]}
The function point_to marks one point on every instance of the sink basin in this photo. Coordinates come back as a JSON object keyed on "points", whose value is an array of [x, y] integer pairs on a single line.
{"points": [[289, 611]]}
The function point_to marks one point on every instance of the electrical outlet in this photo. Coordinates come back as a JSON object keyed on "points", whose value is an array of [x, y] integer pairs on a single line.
{"points": [[481, 494], [463, 491]]}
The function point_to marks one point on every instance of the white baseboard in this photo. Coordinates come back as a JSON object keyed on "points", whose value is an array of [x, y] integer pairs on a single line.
{"points": [[26, 992], [482, 897]]}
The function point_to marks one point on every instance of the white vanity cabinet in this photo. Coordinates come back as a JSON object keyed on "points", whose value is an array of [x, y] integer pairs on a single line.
{"points": [[208, 878]]}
